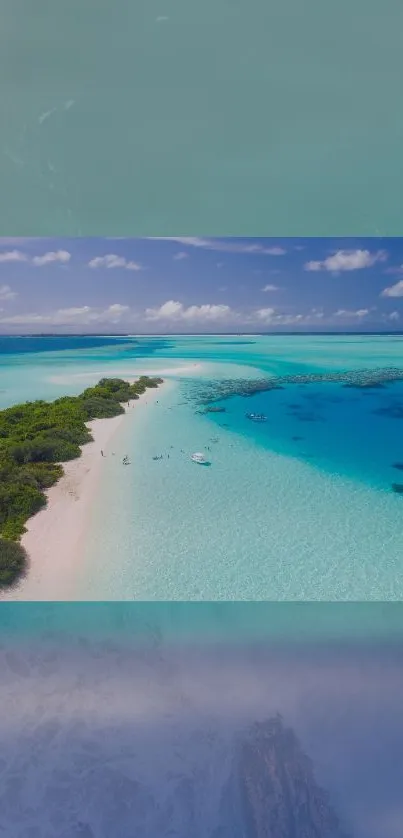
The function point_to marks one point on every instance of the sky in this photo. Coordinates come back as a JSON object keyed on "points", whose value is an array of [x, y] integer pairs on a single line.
{"points": [[195, 285]]}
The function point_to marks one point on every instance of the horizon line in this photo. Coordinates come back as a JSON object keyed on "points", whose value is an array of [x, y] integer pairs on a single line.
{"points": [[200, 334]]}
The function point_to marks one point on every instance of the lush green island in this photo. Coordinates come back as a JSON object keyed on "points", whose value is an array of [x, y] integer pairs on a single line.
{"points": [[35, 438]]}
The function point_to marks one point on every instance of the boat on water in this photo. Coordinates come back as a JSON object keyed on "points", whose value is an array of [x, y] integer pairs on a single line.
{"points": [[256, 417], [199, 458]]}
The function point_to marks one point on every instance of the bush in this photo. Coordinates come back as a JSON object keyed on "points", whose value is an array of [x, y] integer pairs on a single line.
{"points": [[78, 436], [122, 395], [99, 408], [19, 500], [112, 385], [36, 437], [13, 562], [13, 529], [45, 451], [44, 474], [150, 382], [97, 392]]}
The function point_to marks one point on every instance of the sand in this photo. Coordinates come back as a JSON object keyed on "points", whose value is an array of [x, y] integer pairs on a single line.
{"points": [[54, 536]]}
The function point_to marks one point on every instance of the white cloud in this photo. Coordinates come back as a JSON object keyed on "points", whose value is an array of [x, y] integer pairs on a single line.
{"points": [[13, 256], [6, 293], [111, 260], [394, 290], [192, 242], [270, 288], [80, 316], [394, 315], [174, 310], [347, 260], [168, 310], [265, 313], [233, 246], [181, 255], [73, 313], [117, 309], [271, 316], [62, 256], [347, 314]]}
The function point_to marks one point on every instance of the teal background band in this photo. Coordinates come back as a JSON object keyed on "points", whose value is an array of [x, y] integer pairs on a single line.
{"points": [[270, 117], [211, 623]]}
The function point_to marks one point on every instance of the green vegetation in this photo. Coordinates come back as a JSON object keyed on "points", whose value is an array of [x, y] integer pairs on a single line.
{"points": [[34, 439], [13, 562]]}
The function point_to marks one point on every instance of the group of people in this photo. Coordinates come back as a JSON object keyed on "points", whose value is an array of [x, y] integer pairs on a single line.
{"points": [[125, 461]]}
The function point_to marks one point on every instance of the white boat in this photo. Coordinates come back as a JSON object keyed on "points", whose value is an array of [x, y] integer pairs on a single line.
{"points": [[200, 458], [256, 417]]}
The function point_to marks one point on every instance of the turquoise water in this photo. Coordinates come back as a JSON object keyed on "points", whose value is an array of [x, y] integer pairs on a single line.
{"points": [[228, 118], [274, 517]]}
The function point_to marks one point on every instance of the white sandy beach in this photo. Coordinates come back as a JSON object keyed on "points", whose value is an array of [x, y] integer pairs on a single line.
{"points": [[54, 536]]}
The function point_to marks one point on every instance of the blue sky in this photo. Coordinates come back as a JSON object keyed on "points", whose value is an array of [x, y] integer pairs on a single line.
{"points": [[200, 285]]}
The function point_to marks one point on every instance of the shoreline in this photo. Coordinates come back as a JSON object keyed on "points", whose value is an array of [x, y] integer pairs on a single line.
{"points": [[53, 540], [123, 373]]}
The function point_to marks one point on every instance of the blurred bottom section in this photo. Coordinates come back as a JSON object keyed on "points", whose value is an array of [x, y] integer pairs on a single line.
{"points": [[249, 720]]}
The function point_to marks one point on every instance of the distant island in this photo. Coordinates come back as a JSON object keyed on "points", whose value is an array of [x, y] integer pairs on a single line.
{"points": [[35, 438]]}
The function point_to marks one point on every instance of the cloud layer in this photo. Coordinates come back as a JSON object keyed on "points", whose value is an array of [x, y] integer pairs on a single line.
{"points": [[61, 256], [79, 315], [347, 260], [111, 260], [173, 310], [233, 246], [394, 290], [197, 294], [6, 293]]}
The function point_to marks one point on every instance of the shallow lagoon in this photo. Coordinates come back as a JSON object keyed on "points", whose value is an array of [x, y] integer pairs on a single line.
{"points": [[298, 507]]}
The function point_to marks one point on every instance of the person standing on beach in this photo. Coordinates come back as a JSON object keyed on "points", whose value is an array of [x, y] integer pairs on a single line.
{"points": [[102, 453]]}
